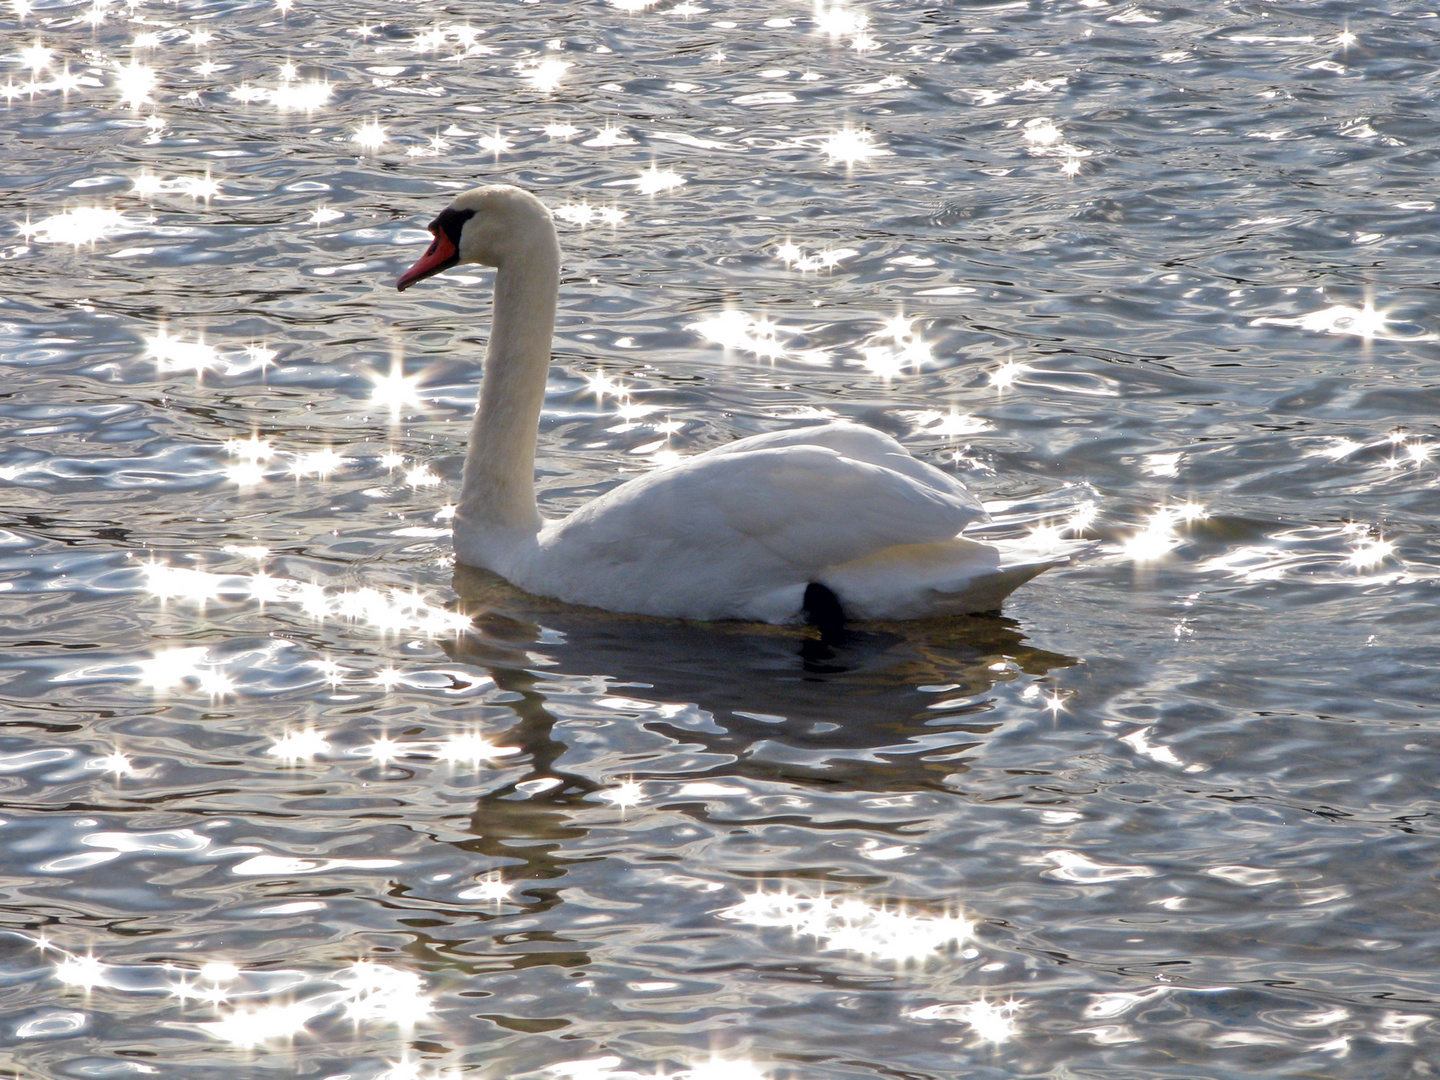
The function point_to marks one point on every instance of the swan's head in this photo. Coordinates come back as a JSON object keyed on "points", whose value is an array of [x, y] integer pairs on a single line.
{"points": [[489, 225]]}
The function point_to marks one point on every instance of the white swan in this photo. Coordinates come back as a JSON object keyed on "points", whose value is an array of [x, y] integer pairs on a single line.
{"points": [[837, 520]]}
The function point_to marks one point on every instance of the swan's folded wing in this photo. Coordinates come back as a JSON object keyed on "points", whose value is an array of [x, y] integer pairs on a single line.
{"points": [[814, 507], [859, 443], [739, 535]]}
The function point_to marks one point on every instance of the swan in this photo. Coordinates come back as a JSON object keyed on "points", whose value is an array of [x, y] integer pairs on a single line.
{"points": [[827, 523]]}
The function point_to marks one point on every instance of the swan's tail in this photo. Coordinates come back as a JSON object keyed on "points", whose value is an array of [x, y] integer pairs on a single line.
{"points": [[955, 577]]}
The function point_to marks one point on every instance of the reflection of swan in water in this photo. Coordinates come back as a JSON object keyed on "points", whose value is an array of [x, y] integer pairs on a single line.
{"points": [[824, 700], [835, 521], [853, 712]]}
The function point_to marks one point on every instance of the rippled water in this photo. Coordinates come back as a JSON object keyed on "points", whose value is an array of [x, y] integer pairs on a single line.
{"points": [[281, 798]]}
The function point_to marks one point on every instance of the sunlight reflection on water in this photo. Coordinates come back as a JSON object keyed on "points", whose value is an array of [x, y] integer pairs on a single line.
{"points": [[245, 1004], [274, 798], [854, 925]]}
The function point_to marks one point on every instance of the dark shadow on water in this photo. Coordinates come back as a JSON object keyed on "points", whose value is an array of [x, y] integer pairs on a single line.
{"points": [[874, 684], [874, 708]]}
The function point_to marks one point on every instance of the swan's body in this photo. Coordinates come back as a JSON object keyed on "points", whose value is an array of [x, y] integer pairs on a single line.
{"points": [[738, 532]]}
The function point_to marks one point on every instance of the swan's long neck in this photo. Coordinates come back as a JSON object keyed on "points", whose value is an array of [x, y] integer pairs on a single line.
{"points": [[498, 491]]}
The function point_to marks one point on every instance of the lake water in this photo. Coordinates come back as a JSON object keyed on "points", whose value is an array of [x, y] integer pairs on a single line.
{"points": [[280, 797]]}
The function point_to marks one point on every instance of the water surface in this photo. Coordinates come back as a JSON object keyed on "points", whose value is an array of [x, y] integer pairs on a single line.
{"points": [[283, 795]]}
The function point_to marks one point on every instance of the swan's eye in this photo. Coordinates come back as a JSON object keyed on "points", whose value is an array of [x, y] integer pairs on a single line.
{"points": [[451, 222]]}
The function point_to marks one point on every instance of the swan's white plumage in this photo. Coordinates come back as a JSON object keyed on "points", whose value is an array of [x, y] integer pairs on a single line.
{"points": [[738, 532]]}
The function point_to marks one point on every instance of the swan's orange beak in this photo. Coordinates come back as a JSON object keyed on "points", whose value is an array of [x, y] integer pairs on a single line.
{"points": [[441, 255]]}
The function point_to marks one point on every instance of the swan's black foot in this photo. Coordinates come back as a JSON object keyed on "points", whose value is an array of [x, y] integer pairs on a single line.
{"points": [[823, 611]]}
